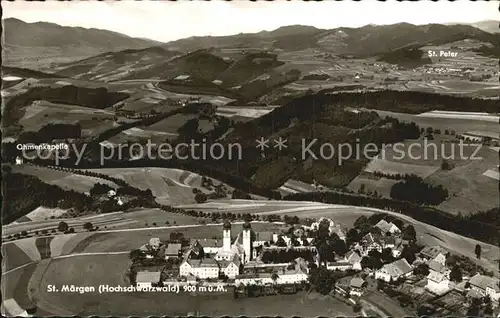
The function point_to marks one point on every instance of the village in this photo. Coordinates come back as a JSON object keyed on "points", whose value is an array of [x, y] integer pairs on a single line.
{"points": [[378, 257]]}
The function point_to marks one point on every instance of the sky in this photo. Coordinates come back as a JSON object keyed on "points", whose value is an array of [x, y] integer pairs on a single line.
{"points": [[166, 21]]}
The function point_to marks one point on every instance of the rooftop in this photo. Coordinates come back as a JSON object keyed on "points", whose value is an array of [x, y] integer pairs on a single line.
{"points": [[205, 262], [484, 282], [436, 276], [357, 282], [148, 277], [432, 251], [173, 249], [436, 267], [397, 268]]}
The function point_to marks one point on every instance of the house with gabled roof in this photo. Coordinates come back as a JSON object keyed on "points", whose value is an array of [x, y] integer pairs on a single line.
{"points": [[173, 250], [356, 286], [354, 258], [486, 286], [145, 280], [434, 253], [387, 227], [370, 242], [201, 268], [394, 271], [438, 282]]}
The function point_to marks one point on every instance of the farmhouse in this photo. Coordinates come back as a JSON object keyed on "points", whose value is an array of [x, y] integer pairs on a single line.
{"points": [[354, 259], [370, 242], [486, 286], [437, 283], [173, 250], [357, 286], [394, 271], [387, 227], [434, 253], [147, 279]]}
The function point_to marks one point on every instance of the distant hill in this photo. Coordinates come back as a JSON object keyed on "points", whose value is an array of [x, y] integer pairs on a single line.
{"points": [[364, 41], [490, 26], [37, 45]]}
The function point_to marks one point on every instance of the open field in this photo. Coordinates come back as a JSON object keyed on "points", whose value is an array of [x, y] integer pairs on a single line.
{"points": [[41, 113], [457, 123], [295, 186], [244, 111], [170, 186], [394, 168], [135, 218], [471, 183], [470, 190], [423, 152], [371, 183], [42, 213], [15, 298], [65, 180], [461, 115], [171, 124], [110, 220]]}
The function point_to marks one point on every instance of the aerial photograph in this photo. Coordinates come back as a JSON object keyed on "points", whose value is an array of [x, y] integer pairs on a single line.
{"points": [[239, 158]]}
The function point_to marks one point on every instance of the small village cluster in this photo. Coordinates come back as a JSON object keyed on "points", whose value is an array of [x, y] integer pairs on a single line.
{"points": [[238, 260]]}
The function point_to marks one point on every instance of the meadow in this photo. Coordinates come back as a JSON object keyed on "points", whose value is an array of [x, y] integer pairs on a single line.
{"points": [[65, 180]]}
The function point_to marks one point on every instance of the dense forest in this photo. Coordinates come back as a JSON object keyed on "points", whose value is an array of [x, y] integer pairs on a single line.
{"points": [[414, 189], [24, 193]]}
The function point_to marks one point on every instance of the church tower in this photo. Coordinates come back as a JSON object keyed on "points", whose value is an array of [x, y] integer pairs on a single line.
{"points": [[226, 236], [247, 241]]}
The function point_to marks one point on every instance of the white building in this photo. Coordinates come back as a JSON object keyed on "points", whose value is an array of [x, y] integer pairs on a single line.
{"points": [[147, 279], [111, 193], [486, 286], [291, 274], [200, 268], [230, 268], [437, 283], [19, 161], [247, 242], [394, 271], [254, 279], [338, 266]]}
